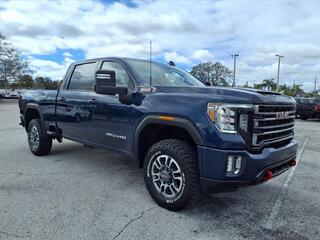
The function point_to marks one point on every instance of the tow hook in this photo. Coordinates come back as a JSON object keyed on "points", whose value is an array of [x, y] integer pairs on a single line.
{"points": [[292, 163], [268, 176]]}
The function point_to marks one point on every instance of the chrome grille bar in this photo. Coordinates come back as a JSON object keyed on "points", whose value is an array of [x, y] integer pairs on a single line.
{"points": [[278, 126], [276, 131], [274, 113], [272, 124], [270, 119]]}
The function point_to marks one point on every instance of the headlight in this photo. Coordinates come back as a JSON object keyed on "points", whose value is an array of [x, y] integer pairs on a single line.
{"points": [[225, 116]]}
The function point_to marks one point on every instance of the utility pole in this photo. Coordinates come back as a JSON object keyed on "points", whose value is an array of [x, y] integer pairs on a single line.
{"points": [[294, 82], [279, 56], [150, 64], [234, 56], [315, 84]]}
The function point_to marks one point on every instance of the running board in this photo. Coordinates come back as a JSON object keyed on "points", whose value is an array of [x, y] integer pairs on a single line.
{"points": [[56, 133]]}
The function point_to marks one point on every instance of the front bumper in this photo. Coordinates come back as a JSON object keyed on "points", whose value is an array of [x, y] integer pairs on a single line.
{"points": [[213, 164]]}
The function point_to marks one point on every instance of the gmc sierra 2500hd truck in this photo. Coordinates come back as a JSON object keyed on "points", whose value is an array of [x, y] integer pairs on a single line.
{"points": [[186, 136]]}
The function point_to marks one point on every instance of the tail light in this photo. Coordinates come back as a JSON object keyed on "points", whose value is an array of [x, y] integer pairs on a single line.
{"points": [[317, 107]]}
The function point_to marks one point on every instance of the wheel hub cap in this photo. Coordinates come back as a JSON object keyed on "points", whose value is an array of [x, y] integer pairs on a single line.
{"points": [[167, 176], [34, 138]]}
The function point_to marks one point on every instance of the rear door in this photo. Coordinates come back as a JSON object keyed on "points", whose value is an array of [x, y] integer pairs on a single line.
{"points": [[72, 107]]}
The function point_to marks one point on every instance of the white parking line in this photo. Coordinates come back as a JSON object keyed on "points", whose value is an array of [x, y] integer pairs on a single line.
{"points": [[276, 207]]}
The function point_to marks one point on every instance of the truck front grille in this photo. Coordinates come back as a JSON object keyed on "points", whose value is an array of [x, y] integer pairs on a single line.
{"points": [[272, 125]]}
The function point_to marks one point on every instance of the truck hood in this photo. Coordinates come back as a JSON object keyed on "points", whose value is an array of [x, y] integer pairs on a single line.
{"points": [[231, 95]]}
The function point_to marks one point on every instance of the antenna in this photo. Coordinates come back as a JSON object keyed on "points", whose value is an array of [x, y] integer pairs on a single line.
{"points": [[150, 63]]}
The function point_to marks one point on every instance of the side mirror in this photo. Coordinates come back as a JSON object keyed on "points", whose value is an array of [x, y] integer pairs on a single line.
{"points": [[106, 83], [208, 83]]}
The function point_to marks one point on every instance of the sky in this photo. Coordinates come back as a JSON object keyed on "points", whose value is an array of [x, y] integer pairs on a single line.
{"points": [[52, 34]]}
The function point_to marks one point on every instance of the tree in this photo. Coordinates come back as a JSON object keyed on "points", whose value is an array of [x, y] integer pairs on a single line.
{"points": [[286, 90], [269, 84], [11, 63], [25, 81], [45, 83], [214, 73], [294, 91]]}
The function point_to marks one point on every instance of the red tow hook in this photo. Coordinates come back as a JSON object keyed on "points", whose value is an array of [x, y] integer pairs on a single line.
{"points": [[268, 176], [292, 163]]}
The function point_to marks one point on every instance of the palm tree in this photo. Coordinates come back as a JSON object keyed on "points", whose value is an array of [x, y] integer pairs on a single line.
{"points": [[269, 84]]}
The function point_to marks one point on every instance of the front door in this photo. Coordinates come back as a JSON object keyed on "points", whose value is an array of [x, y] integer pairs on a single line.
{"points": [[110, 124], [72, 107]]}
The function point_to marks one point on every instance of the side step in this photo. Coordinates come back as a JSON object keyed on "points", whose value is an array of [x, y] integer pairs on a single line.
{"points": [[55, 132]]}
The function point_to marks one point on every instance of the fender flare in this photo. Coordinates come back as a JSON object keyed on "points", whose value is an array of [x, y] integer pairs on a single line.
{"points": [[34, 106], [175, 122]]}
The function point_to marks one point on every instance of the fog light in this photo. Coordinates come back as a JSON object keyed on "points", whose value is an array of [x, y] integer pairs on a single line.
{"points": [[234, 163]]}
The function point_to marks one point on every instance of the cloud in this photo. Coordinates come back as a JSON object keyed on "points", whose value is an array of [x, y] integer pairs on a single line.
{"points": [[202, 55], [67, 54], [43, 67], [186, 32], [173, 56]]}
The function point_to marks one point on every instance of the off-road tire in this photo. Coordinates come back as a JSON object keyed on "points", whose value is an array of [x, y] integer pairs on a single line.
{"points": [[45, 141], [185, 157]]}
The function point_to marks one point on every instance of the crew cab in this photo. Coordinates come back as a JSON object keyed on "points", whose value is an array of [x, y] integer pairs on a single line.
{"points": [[187, 137]]}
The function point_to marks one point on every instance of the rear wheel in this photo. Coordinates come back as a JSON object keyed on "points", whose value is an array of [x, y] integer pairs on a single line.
{"points": [[171, 174], [303, 117], [39, 142]]}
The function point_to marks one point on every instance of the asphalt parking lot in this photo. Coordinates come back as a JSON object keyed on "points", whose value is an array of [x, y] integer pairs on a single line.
{"points": [[82, 193]]}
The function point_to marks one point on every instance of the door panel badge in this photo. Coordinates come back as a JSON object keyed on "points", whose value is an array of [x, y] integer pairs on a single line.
{"points": [[116, 136]]}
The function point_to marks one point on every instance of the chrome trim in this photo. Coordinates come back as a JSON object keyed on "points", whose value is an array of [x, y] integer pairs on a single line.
{"points": [[257, 107], [270, 119], [274, 113], [272, 140], [275, 126], [286, 127], [276, 131]]}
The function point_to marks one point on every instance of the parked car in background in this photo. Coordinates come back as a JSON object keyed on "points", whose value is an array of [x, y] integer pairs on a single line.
{"points": [[12, 94], [308, 108]]}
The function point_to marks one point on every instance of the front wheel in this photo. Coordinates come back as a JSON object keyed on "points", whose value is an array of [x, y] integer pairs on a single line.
{"points": [[304, 117], [39, 142], [171, 174]]}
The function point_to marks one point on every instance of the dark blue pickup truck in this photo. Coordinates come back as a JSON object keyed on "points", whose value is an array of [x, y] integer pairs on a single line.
{"points": [[187, 137]]}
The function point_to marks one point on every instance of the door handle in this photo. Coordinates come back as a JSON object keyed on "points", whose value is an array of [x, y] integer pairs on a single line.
{"points": [[61, 99]]}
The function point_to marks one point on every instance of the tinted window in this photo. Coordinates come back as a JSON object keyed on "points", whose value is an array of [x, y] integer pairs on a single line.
{"points": [[83, 76], [122, 77], [162, 74], [306, 101]]}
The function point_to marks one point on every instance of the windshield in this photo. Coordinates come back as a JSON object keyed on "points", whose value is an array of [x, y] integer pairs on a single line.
{"points": [[306, 100], [162, 75]]}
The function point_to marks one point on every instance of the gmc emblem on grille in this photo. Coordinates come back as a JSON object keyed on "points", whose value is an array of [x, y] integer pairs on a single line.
{"points": [[282, 115]]}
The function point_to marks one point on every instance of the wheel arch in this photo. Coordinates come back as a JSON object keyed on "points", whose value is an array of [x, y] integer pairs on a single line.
{"points": [[32, 111], [153, 128]]}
